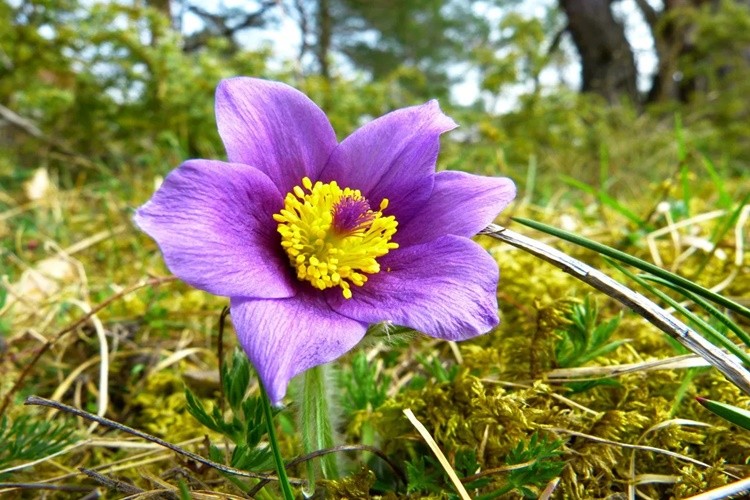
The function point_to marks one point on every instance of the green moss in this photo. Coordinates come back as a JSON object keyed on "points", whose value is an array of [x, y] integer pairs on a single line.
{"points": [[162, 410]]}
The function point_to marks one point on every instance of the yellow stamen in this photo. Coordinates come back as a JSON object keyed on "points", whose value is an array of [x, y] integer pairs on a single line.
{"points": [[332, 237]]}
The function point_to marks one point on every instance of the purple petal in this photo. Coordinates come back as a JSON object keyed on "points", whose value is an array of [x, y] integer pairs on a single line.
{"points": [[284, 337], [460, 204], [446, 288], [214, 224], [392, 157], [274, 128]]}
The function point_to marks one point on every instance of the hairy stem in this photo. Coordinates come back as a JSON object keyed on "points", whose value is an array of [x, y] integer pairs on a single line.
{"points": [[317, 431]]}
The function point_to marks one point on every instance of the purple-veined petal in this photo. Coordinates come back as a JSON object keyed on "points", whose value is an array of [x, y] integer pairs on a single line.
{"points": [[284, 337], [392, 157], [274, 128], [446, 288], [214, 224], [460, 204]]}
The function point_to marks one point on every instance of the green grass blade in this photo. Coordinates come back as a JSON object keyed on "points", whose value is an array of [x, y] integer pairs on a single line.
{"points": [[707, 306], [731, 413], [637, 263], [719, 231], [679, 133], [286, 488], [607, 200], [687, 192], [709, 331], [725, 199]]}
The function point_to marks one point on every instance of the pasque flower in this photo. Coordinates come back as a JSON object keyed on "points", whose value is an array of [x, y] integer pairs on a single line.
{"points": [[313, 240]]}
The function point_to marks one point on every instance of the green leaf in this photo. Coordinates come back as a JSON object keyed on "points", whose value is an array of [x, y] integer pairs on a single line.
{"points": [[254, 426], [251, 458], [733, 414], [236, 379], [420, 479], [606, 200], [27, 438], [584, 340], [363, 388]]}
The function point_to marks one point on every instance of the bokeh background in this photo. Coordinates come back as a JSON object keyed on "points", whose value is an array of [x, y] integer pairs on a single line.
{"points": [[569, 88]]}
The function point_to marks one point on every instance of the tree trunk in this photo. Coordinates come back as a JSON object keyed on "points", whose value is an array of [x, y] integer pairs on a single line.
{"points": [[162, 6], [324, 38], [607, 61], [674, 39]]}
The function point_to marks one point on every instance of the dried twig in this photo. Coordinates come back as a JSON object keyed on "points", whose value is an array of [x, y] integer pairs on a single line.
{"points": [[43, 486], [35, 400], [31, 129], [732, 490], [112, 484]]}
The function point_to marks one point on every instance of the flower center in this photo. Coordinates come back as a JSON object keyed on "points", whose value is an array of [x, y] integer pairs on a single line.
{"points": [[332, 236]]}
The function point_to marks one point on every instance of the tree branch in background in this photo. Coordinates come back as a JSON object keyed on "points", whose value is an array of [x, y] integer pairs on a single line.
{"points": [[225, 25], [325, 36], [29, 127], [304, 28], [649, 13]]}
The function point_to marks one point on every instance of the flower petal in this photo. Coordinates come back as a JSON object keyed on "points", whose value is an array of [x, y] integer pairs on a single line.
{"points": [[392, 157], [460, 204], [214, 224], [284, 337], [446, 288], [274, 128]]}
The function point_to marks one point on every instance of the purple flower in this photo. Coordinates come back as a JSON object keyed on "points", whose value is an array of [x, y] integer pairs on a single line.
{"points": [[313, 240]]}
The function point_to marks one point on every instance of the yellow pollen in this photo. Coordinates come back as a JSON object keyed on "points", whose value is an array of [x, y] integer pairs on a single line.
{"points": [[332, 237]]}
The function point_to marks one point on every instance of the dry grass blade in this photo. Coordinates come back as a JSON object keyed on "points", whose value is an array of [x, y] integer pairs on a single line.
{"points": [[672, 454], [582, 373], [72, 327], [111, 484], [728, 365], [635, 479], [42, 486], [438, 454], [732, 490], [549, 489]]}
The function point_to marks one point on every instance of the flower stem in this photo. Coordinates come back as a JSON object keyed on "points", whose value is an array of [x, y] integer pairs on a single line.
{"points": [[286, 488], [317, 431]]}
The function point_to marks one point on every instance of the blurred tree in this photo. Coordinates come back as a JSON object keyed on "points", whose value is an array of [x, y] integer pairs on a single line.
{"points": [[607, 62], [697, 44], [222, 22], [421, 39]]}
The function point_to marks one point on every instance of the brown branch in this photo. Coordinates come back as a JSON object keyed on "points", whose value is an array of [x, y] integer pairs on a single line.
{"points": [[112, 484], [30, 128], [44, 486], [22, 123], [649, 14]]}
